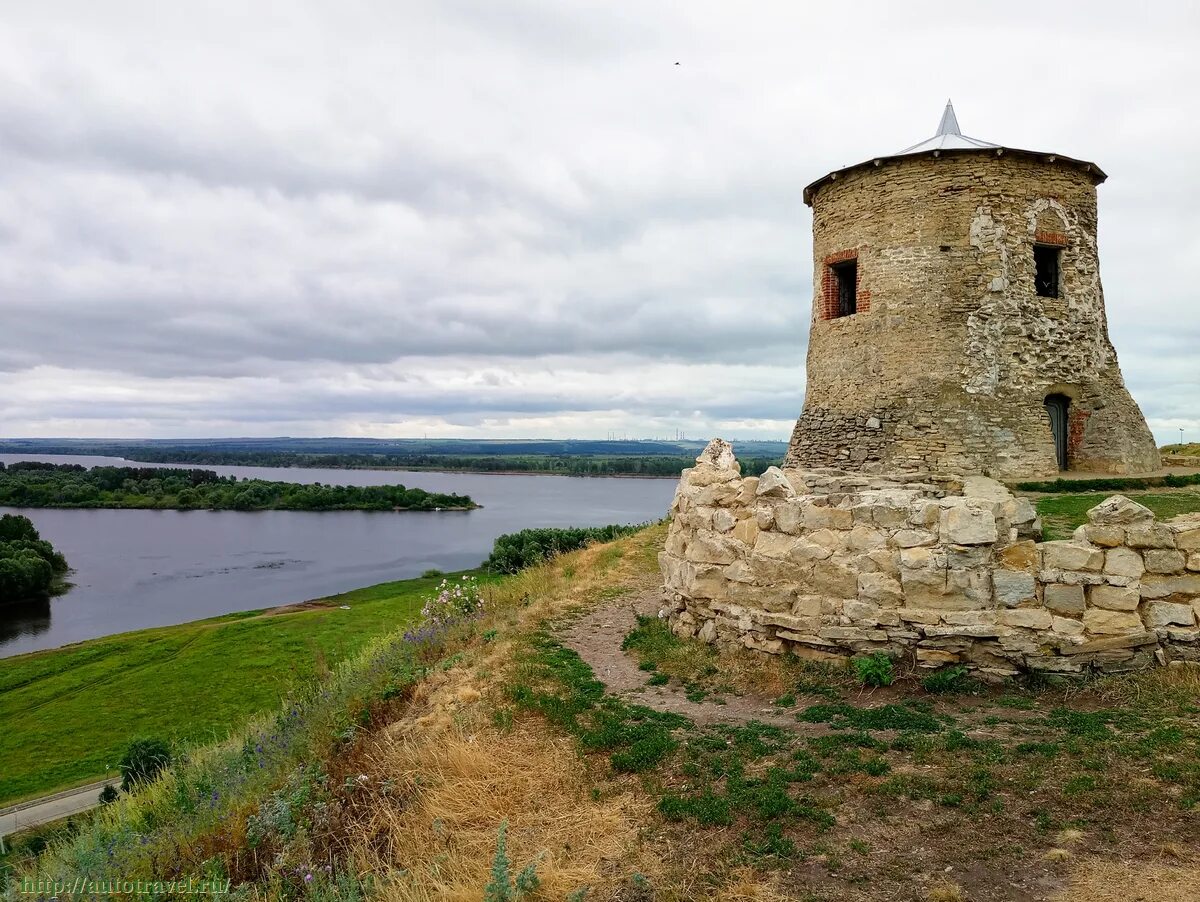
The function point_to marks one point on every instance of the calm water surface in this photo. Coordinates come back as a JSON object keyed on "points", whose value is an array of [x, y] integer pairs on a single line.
{"points": [[135, 569]]}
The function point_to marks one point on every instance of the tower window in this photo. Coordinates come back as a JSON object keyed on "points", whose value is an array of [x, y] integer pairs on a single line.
{"points": [[846, 276], [1046, 261]]}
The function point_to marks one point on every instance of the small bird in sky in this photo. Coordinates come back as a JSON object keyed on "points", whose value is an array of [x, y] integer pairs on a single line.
{"points": [[677, 64]]}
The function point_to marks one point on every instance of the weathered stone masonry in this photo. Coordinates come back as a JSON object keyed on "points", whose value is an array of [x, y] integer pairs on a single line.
{"points": [[948, 360], [948, 569]]}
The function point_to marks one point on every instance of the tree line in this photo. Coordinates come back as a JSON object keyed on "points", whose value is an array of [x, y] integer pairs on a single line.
{"points": [[29, 565], [648, 465], [35, 484]]}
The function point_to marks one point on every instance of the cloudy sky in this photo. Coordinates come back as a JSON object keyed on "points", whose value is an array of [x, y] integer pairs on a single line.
{"points": [[501, 218]]}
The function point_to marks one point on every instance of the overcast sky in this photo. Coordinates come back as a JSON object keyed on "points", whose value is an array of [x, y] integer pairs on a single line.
{"points": [[512, 219]]}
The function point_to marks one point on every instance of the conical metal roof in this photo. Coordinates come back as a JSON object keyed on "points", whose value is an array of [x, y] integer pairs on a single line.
{"points": [[950, 139]]}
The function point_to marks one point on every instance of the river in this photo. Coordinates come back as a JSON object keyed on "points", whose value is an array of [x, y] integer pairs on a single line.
{"points": [[133, 569]]}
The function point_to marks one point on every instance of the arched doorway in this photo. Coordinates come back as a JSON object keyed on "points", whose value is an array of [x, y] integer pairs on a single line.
{"points": [[1058, 407]]}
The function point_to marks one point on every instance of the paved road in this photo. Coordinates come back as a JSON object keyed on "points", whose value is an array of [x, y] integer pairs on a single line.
{"points": [[51, 808]]}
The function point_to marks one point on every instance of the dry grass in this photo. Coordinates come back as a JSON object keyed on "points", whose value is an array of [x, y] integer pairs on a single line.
{"points": [[461, 784], [1097, 880], [945, 891]]}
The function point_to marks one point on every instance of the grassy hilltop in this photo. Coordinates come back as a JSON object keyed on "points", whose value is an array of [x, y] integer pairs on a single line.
{"points": [[702, 774]]}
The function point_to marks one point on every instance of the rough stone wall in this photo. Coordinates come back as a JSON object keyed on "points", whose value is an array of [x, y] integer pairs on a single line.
{"points": [[830, 564], [948, 362]]}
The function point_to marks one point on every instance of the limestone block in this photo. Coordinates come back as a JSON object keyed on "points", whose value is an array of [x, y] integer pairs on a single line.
{"points": [[1193, 561], [968, 556], [1164, 560], [936, 657], [970, 618], [919, 558], [926, 515], [1013, 588], [920, 615], [823, 517], [1156, 586], [770, 646], [748, 491], [721, 494], [1022, 555], [1104, 536], [982, 631], [911, 538], [1119, 511], [863, 613], [1153, 535], [828, 538], [707, 548], [852, 634], [1063, 599], [707, 632], [807, 605], [773, 545], [722, 520], [703, 475], [718, 454], [1129, 640], [773, 484], [776, 596], [1027, 618], [789, 517], [1113, 598], [1165, 613], [1067, 556], [1019, 511], [963, 525], [1124, 562], [866, 538], [764, 516], [1102, 622], [746, 532], [880, 589], [888, 516], [886, 561], [1187, 539], [1065, 626], [834, 579], [739, 572]]}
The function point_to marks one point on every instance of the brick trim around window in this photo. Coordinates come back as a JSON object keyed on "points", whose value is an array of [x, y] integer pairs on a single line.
{"points": [[828, 306], [1055, 239]]}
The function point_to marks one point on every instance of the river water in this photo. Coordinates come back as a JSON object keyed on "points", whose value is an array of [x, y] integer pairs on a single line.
{"points": [[134, 569]]}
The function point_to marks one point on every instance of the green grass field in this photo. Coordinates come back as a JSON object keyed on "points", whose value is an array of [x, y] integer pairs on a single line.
{"points": [[69, 713], [1061, 514]]}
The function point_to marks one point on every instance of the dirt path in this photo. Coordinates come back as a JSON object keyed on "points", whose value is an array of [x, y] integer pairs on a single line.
{"points": [[596, 637]]}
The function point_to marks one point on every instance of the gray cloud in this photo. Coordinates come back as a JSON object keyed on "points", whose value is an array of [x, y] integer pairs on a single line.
{"points": [[514, 218]]}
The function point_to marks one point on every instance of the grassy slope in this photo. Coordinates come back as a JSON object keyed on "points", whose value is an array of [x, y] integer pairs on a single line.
{"points": [[68, 713], [1062, 513]]}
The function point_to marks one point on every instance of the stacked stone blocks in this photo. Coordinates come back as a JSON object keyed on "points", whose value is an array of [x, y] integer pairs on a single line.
{"points": [[829, 564]]}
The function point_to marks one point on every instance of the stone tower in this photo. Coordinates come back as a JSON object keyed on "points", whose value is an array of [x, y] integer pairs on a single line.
{"points": [[958, 319]]}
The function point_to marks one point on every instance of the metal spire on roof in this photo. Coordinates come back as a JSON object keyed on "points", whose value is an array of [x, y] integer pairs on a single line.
{"points": [[948, 137], [949, 123]]}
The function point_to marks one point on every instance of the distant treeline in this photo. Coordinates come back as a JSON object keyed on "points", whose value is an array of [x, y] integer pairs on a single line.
{"points": [[571, 457], [515, 551], [29, 565], [33, 484]]}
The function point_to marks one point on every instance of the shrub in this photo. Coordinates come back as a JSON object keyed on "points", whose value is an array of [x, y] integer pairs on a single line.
{"points": [[108, 794], [452, 601], [502, 887], [947, 679], [143, 760], [874, 670], [515, 551]]}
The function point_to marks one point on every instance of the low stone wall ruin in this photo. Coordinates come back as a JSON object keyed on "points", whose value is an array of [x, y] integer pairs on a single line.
{"points": [[829, 564]]}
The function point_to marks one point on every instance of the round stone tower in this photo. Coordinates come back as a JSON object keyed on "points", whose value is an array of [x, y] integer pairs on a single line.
{"points": [[958, 319]]}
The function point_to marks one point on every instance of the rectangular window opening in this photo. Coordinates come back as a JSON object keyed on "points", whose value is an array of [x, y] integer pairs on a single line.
{"points": [[846, 274], [1046, 260]]}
